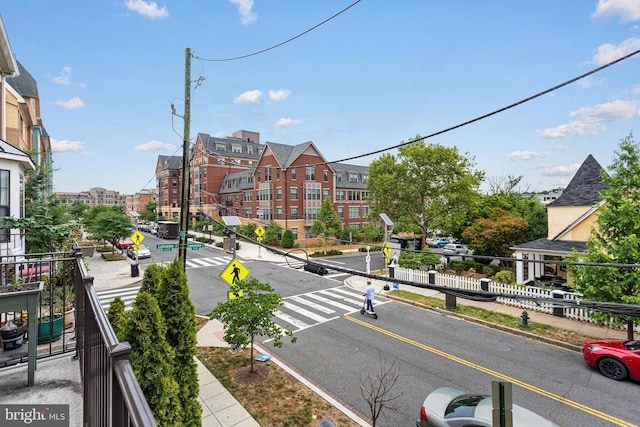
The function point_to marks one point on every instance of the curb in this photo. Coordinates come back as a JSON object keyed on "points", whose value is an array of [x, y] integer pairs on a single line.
{"points": [[502, 328]]}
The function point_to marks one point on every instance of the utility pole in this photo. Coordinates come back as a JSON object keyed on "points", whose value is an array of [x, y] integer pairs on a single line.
{"points": [[184, 207]]}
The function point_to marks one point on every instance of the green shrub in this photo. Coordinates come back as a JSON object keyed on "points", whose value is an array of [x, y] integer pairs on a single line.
{"points": [[317, 254], [490, 270], [333, 252], [287, 239], [505, 276]]}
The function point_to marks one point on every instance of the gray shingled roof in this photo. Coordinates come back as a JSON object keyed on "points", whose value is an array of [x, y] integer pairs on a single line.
{"points": [[285, 155], [234, 182], [343, 170], [24, 84], [552, 246], [585, 187], [170, 162], [209, 143]]}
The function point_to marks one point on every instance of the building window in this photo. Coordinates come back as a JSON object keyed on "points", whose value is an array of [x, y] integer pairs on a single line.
{"points": [[364, 178], [340, 212], [221, 147], [311, 214], [279, 193], [236, 148], [247, 213], [294, 230], [267, 173], [294, 212], [339, 194], [353, 177], [248, 196], [279, 212], [277, 173], [174, 182], [354, 211], [326, 175], [353, 195], [312, 194], [293, 174], [294, 193], [249, 149], [325, 193], [310, 173], [5, 209]]}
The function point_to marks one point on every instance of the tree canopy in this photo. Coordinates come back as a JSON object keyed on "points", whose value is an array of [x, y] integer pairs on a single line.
{"points": [[615, 238], [327, 222], [429, 186], [250, 315]]}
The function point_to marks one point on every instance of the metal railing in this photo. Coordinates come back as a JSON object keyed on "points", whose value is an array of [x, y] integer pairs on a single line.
{"points": [[111, 393]]}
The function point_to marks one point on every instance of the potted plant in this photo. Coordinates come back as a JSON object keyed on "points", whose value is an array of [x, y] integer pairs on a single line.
{"points": [[87, 247], [12, 334], [64, 301]]}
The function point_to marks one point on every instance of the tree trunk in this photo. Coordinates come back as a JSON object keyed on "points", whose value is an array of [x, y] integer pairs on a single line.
{"points": [[630, 329], [251, 353]]}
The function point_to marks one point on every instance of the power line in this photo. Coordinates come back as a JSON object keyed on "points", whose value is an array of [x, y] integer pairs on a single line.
{"points": [[484, 116], [281, 43]]}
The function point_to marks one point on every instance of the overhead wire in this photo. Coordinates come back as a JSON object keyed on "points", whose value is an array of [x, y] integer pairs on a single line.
{"points": [[281, 43]]}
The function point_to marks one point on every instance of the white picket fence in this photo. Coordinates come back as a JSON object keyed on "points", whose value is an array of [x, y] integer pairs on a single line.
{"points": [[468, 283]]}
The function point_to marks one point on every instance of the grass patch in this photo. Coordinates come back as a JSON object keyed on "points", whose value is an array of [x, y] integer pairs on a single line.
{"points": [[539, 329], [280, 400]]}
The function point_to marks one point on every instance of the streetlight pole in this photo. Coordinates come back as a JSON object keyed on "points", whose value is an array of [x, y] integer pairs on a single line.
{"points": [[184, 207]]}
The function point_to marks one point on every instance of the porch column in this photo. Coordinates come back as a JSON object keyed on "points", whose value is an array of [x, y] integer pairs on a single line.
{"points": [[531, 266], [519, 268], [539, 265]]}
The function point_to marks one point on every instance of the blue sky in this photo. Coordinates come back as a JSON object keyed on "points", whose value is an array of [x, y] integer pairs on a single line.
{"points": [[376, 75]]}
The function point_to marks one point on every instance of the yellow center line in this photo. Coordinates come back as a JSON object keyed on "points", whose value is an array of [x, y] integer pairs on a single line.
{"points": [[557, 398]]}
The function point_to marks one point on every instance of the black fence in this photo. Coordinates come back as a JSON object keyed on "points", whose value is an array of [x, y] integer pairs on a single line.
{"points": [[111, 393]]}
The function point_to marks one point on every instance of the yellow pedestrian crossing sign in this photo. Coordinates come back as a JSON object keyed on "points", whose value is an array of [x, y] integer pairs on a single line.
{"points": [[234, 272], [386, 249], [137, 237], [259, 231], [234, 294]]}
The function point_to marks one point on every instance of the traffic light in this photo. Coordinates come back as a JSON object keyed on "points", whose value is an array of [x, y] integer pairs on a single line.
{"points": [[315, 268]]}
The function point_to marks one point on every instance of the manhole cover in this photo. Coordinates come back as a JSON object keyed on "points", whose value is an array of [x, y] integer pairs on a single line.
{"points": [[325, 422]]}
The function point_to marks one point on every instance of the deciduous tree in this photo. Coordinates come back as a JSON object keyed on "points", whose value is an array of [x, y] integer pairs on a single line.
{"points": [[615, 238], [250, 315], [495, 235], [430, 186], [327, 223]]}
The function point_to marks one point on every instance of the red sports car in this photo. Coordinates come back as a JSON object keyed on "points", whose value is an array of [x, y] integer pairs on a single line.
{"points": [[615, 359]]}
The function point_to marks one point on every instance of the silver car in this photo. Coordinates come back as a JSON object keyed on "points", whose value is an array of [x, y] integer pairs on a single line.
{"points": [[455, 249], [449, 407], [138, 252]]}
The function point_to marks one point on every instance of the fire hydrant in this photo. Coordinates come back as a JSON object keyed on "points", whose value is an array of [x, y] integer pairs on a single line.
{"points": [[525, 318]]}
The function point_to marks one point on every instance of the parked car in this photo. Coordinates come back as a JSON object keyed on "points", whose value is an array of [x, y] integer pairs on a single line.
{"points": [[122, 244], [143, 226], [139, 252], [448, 407], [437, 243], [615, 359], [455, 249]]}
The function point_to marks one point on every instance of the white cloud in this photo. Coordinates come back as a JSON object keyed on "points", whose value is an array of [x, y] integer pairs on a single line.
{"points": [[635, 90], [562, 170], [609, 52], [279, 95], [244, 7], [523, 155], [71, 104], [286, 122], [627, 10], [148, 9], [65, 146], [154, 146], [63, 77], [590, 119], [250, 96]]}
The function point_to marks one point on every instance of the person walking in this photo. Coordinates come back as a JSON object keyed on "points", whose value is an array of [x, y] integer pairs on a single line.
{"points": [[368, 293]]}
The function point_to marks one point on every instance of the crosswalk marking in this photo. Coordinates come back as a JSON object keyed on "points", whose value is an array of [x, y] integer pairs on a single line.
{"points": [[313, 305], [310, 309], [331, 302], [128, 295], [208, 262], [335, 275], [292, 320], [341, 297], [304, 312]]}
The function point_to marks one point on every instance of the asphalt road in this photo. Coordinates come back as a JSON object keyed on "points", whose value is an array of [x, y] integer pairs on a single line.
{"points": [[337, 350]]}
